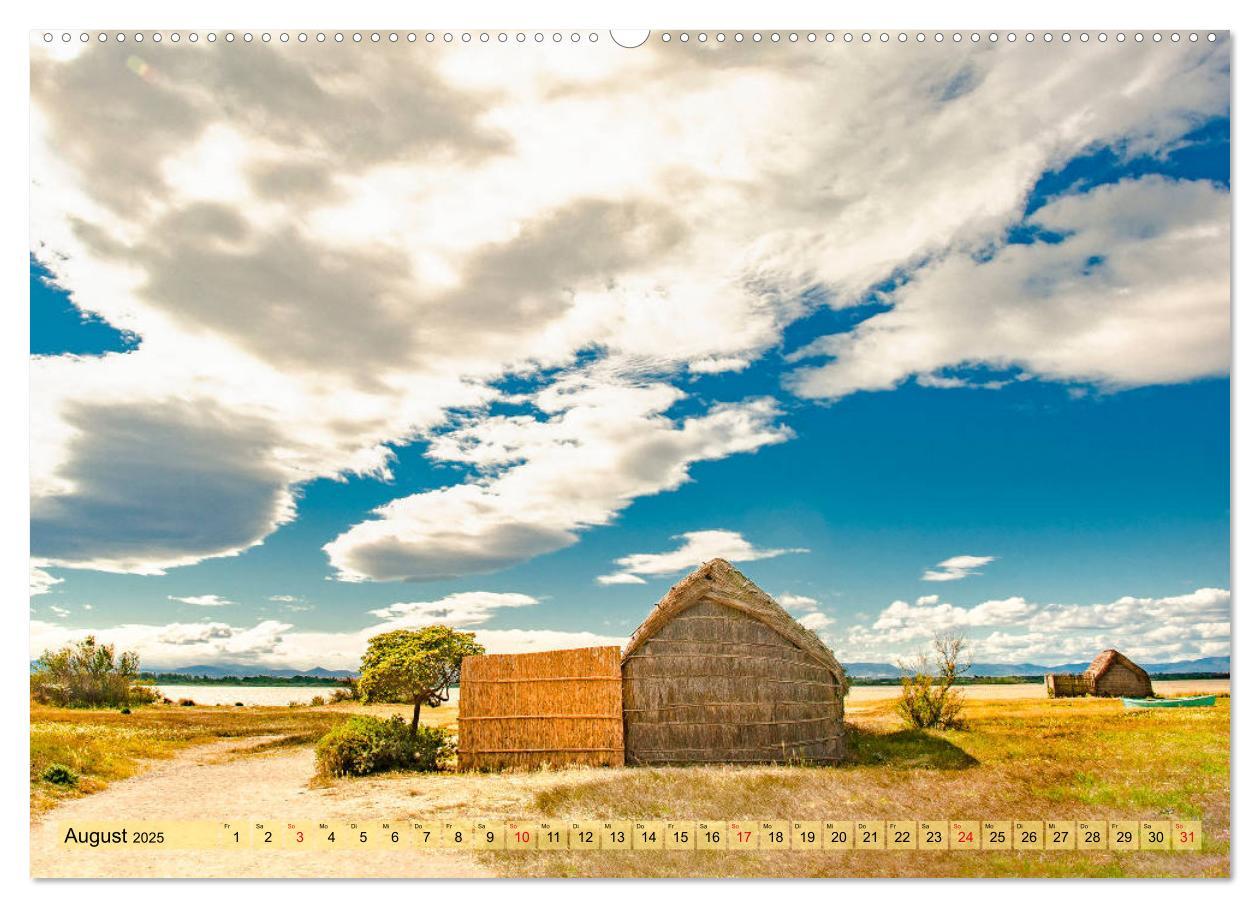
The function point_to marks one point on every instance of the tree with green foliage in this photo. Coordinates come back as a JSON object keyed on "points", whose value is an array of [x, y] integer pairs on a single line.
{"points": [[416, 667], [85, 674]]}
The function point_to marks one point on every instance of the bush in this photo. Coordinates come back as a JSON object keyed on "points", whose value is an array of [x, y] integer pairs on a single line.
{"points": [[184, 701], [125, 711], [344, 694], [929, 698], [142, 694], [238, 703], [317, 700], [60, 774], [85, 675], [363, 745]]}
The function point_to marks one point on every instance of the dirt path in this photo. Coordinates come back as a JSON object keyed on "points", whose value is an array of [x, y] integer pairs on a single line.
{"points": [[214, 782]]}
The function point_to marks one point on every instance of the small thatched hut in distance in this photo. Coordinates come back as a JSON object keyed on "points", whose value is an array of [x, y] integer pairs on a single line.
{"points": [[1112, 674], [720, 673]]}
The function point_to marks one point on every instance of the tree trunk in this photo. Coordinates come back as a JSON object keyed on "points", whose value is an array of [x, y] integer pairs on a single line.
{"points": [[415, 718]]}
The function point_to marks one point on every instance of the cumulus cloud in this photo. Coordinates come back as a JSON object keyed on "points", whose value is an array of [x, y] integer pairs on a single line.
{"points": [[792, 601], [324, 258], [1156, 629], [272, 643], [461, 609], [211, 599], [1131, 289], [594, 448], [815, 621], [957, 568], [694, 549], [808, 610]]}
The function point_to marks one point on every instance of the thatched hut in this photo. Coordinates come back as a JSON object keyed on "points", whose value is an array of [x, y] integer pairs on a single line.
{"points": [[1112, 674], [720, 673]]}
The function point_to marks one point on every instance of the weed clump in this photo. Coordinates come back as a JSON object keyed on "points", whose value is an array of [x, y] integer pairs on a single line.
{"points": [[60, 774]]}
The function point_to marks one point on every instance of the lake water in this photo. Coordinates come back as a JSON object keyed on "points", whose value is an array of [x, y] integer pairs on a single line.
{"points": [[214, 694]]}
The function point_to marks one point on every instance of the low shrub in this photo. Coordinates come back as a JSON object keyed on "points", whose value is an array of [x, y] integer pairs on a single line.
{"points": [[184, 701], [364, 744], [142, 694], [126, 711], [60, 774], [929, 694], [238, 703], [317, 700], [342, 695]]}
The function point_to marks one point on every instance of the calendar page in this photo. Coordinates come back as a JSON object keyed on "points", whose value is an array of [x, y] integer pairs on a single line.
{"points": [[784, 452]]}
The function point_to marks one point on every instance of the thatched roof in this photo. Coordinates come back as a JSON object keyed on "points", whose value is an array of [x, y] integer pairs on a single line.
{"points": [[720, 582], [1109, 657]]}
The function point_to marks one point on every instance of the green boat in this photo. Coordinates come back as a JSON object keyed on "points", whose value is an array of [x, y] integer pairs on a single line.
{"points": [[1209, 700]]}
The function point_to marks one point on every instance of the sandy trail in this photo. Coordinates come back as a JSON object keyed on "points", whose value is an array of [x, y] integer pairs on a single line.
{"points": [[215, 782]]}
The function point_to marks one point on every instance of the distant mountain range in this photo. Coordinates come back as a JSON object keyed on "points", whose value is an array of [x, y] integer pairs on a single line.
{"points": [[228, 670], [1212, 665], [241, 671]]}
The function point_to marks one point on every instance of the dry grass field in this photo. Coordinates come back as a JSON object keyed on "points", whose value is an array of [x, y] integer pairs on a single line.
{"points": [[104, 745], [1016, 759]]}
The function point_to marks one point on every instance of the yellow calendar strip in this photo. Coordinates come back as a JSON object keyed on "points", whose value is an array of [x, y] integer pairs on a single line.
{"points": [[459, 834]]}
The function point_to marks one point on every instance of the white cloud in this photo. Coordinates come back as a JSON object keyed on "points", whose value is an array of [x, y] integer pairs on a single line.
{"points": [[1153, 629], [815, 621], [284, 598], [41, 581], [1136, 293], [616, 579], [696, 548], [210, 599], [279, 644], [792, 601], [323, 257], [457, 609], [597, 446], [59, 611], [957, 568]]}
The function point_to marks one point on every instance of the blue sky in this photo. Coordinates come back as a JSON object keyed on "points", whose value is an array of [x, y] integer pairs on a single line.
{"points": [[1094, 484]]}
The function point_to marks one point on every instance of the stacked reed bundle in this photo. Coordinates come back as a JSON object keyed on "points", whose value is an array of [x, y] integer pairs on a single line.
{"points": [[556, 707], [1067, 685], [720, 673]]}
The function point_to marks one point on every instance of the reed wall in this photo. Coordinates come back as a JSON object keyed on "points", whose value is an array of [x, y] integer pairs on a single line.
{"points": [[557, 707]]}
